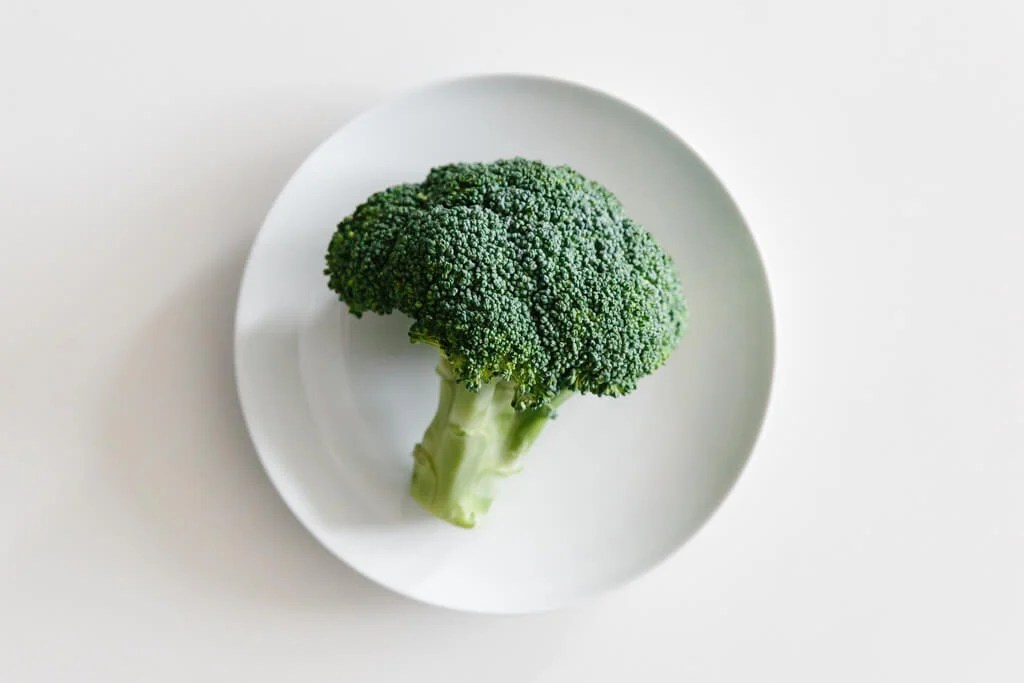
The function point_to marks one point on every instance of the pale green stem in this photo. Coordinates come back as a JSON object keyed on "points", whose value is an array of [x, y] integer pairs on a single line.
{"points": [[475, 439]]}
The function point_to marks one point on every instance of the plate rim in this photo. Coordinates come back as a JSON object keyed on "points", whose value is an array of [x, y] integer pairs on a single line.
{"points": [[438, 84]]}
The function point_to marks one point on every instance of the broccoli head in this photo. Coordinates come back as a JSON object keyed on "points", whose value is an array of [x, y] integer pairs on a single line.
{"points": [[532, 283]]}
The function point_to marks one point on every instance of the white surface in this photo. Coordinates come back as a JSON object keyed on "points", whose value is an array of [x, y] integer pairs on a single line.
{"points": [[334, 404], [875, 148]]}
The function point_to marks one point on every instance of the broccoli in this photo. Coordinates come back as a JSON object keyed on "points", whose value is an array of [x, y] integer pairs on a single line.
{"points": [[531, 283]]}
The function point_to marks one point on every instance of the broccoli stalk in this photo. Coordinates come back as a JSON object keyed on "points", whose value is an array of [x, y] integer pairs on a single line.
{"points": [[475, 438]]}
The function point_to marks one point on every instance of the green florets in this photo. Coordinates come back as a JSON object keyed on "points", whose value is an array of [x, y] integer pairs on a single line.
{"points": [[515, 270]]}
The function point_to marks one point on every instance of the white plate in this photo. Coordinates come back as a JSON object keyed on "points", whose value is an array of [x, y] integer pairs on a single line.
{"points": [[335, 404]]}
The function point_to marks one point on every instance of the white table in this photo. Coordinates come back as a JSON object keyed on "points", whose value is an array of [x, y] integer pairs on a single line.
{"points": [[876, 149]]}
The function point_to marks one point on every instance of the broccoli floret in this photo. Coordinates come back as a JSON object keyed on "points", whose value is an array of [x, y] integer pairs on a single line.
{"points": [[532, 284]]}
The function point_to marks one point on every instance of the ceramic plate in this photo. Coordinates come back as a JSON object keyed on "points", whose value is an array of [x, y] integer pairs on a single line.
{"points": [[614, 486]]}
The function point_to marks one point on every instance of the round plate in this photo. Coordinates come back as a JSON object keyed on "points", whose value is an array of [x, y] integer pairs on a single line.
{"points": [[335, 404]]}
